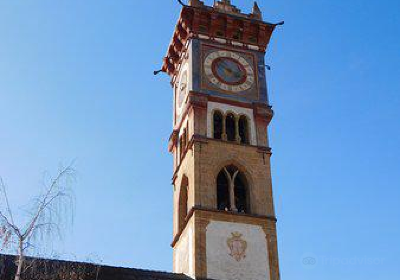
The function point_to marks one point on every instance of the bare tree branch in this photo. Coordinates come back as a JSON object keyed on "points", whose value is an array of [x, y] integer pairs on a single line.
{"points": [[48, 199], [3, 186], [10, 224], [40, 221]]}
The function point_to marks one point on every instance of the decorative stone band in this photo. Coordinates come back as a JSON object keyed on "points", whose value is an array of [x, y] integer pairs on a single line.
{"points": [[266, 151], [200, 208]]}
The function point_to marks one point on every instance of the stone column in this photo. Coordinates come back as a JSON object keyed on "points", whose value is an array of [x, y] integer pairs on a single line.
{"points": [[224, 136], [231, 181], [237, 135]]}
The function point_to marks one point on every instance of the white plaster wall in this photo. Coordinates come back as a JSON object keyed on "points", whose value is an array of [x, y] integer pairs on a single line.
{"points": [[184, 252], [185, 67], [190, 63], [237, 110], [220, 265], [186, 64]]}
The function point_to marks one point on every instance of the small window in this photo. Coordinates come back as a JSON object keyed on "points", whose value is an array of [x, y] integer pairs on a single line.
{"points": [[230, 127], [183, 203], [240, 195], [223, 200], [220, 33], [253, 40], [237, 35], [217, 124], [244, 130]]}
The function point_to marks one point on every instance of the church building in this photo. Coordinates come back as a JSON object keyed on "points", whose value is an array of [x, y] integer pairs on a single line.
{"points": [[224, 222]]}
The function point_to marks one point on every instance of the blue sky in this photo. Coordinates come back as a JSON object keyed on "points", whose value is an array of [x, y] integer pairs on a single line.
{"points": [[76, 82]]}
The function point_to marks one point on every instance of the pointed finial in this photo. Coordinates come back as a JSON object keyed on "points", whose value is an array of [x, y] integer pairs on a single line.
{"points": [[256, 11]]}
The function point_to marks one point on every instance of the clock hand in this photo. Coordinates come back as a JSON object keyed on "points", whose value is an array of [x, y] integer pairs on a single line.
{"points": [[224, 64], [237, 75]]}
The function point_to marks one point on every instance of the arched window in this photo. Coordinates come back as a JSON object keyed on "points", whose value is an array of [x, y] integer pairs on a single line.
{"points": [[243, 130], [223, 200], [230, 127], [183, 202], [241, 201], [232, 190], [217, 124]]}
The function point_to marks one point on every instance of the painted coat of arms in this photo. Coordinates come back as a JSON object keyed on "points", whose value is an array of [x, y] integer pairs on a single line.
{"points": [[237, 246]]}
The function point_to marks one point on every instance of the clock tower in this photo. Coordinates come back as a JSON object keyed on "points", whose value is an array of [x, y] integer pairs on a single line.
{"points": [[224, 219]]}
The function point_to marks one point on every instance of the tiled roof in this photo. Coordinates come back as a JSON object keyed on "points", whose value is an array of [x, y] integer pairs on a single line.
{"points": [[60, 270]]}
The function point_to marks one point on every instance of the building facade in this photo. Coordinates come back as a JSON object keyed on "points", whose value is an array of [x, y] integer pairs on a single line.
{"points": [[224, 218]]}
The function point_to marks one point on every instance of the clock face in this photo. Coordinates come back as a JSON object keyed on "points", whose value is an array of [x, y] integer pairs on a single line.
{"points": [[182, 90], [229, 71]]}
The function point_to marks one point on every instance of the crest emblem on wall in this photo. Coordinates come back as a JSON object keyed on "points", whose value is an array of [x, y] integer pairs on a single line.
{"points": [[237, 246]]}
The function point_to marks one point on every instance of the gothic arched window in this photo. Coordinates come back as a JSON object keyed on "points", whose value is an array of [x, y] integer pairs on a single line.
{"points": [[243, 130], [223, 200], [230, 127], [232, 190], [183, 202], [217, 124], [241, 202]]}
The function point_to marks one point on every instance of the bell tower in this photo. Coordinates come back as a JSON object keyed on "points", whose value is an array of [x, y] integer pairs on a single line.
{"points": [[224, 219]]}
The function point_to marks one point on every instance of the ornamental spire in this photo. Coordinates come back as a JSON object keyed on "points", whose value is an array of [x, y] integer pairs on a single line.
{"points": [[256, 11]]}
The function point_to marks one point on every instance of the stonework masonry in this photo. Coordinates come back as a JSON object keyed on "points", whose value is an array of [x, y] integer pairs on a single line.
{"points": [[224, 223], [204, 158]]}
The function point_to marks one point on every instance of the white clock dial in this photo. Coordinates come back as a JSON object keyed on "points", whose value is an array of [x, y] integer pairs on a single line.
{"points": [[229, 71], [182, 90]]}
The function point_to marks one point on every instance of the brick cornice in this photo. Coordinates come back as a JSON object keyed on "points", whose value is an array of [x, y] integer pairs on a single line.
{"points": [[195, 21], [173, 139], [263, 112], [230, 102], [197, 99]]}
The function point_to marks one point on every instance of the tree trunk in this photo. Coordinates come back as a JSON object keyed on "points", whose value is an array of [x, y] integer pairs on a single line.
{"points": [[21, 260]]}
